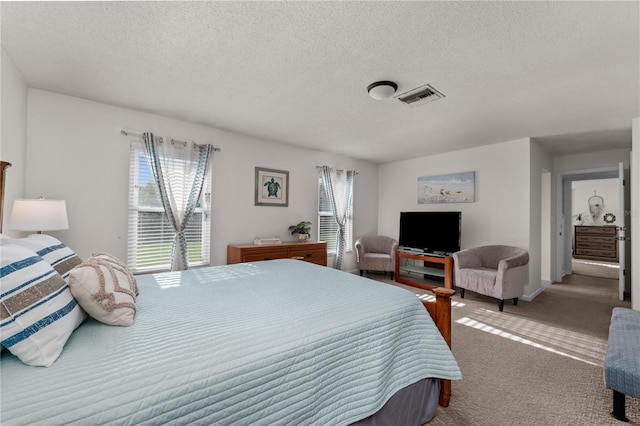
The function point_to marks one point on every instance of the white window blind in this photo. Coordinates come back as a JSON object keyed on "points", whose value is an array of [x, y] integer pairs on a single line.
{"points": [[327, 225], [150, 235]]}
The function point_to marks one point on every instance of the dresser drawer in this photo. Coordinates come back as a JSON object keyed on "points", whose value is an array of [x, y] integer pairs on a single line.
{"points": [[596, 253], [267, 255], [607, 245], [588, 239], [313, 255], [596, 230]]}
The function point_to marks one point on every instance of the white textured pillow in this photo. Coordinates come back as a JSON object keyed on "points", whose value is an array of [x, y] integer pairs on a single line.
{"points": [[37, 311], [105, 288], [61, 257]]}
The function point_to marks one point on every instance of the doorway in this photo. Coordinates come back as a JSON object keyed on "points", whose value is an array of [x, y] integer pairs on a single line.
{"points": [[567, 217], [595, 209]]}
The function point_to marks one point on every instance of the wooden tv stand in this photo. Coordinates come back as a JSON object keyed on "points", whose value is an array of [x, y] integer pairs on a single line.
{"points": [[419, 276]]}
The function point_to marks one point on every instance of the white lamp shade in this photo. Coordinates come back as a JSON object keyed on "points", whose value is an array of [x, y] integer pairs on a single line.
{"points": [[39, 215]]}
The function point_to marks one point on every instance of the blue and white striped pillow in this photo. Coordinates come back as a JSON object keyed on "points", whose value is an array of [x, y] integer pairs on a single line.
{"points": [[61, 257], [37, 311]]}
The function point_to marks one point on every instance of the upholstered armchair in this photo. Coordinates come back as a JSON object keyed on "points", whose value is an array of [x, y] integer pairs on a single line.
{"points": [[495, 271], [376, 253]]}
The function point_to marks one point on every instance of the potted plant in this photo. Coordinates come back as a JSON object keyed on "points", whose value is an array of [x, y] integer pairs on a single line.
{"points": [[303, 229], [580, 218]]}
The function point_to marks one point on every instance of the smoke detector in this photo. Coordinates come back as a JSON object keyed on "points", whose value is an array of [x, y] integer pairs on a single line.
{"points": [[420, 95]]}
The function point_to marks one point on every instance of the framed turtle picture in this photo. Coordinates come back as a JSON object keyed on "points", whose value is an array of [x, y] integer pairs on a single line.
{"points": [[272, 187]]}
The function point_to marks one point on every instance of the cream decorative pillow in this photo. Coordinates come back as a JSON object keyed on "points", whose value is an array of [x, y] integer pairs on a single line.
{"points": [[105, 288], [117, 262], [37, 311]]}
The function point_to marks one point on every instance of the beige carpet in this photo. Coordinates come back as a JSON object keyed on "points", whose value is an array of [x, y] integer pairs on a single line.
{"points": [[538, 363]]}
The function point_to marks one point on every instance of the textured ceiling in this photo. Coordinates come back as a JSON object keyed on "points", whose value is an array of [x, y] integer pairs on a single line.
{"points": [[564, 73]]}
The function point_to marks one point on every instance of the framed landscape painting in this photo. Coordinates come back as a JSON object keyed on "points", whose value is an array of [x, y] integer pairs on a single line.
{"points": [[452, 188], [272, 187]]}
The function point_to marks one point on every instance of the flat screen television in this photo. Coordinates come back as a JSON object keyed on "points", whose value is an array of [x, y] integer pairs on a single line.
{"points": [[431, 232]]}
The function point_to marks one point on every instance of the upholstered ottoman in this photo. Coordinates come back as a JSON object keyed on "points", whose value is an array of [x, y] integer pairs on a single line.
{"points": [[622, 363]]}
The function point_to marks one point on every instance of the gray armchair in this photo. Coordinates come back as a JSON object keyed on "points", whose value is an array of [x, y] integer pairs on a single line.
{"points": [[495, 271], [376, 253]]}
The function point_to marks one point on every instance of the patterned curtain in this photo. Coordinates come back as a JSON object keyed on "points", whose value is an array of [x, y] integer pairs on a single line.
{"points": [[179, 171], [339, 205]]}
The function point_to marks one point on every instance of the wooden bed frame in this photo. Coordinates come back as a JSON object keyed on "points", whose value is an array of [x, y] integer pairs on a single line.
{"points": [[3, 167], [440, 310]]}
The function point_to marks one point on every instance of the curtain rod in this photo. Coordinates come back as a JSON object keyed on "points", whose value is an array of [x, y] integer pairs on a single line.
{"points": [[139, 135], [338, 170]]}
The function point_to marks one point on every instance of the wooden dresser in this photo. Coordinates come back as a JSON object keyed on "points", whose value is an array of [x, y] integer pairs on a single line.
{"points": [[596, 243], [314, 252]]}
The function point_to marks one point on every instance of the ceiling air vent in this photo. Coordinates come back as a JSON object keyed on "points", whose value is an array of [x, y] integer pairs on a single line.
{"points": [[420, 95]]}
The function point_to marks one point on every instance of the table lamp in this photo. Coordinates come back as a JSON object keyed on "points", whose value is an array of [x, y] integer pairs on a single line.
{"points": [[39, 215]]}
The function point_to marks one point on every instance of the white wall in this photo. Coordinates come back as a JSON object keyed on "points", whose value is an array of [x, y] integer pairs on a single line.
{"points": [[502, 210], [592, 160], [583, 190], [14, 135], [73, 144], [75, 152], [540, 162], [547, 246]]}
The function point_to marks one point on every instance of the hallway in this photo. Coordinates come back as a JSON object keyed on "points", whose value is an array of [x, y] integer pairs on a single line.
{"points": [[595, 268]]}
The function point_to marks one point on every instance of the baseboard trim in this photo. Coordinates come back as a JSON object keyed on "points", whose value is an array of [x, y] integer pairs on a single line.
{"points": [[529, 297]]}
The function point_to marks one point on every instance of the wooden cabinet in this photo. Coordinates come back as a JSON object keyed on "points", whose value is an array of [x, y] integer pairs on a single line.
{"points": [[596, 243], [314, 252], [424, 270]]}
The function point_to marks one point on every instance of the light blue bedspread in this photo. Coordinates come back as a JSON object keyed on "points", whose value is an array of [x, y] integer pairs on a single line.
{"points": [[622, 363], [278, 342]]}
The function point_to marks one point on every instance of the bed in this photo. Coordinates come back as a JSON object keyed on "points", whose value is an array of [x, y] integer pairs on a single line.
{"points": [[273, 342]]}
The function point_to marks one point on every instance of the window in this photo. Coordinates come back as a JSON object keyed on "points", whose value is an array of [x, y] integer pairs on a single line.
{"points": [[327, 225], [150, 233]]}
